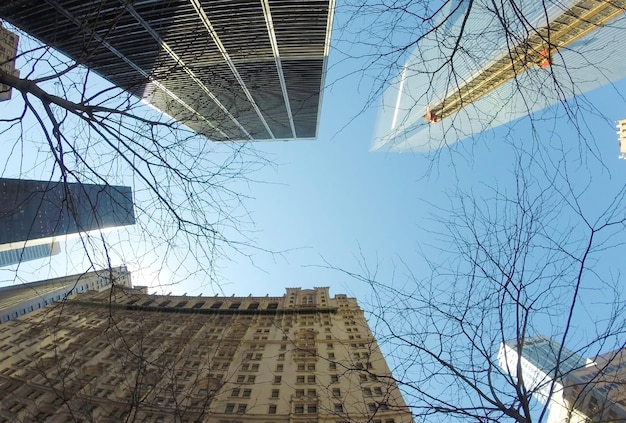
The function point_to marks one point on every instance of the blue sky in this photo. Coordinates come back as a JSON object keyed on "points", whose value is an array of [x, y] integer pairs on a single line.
{"points": [[331, 199]]}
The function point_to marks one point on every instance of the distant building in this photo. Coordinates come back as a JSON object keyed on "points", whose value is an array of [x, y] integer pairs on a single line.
{"points": [[18, 300], [576, 390], [8, 51], [123, 355], [231, 71], [621, 138], [28, 253], [36, 212]]}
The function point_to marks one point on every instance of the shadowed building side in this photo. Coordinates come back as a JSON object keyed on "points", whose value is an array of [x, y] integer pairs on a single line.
{"points": [[231, 71]]}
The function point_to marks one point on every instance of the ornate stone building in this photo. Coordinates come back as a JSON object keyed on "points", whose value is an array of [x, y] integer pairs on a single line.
{"points": [[123, 355]]}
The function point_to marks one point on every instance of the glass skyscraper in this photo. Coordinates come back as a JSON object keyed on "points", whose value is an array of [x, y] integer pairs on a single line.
{"points": [[34, 211]]}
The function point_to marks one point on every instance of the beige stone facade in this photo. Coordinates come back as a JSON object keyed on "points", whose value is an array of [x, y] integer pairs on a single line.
{"points": [[123, 355], [8, 51]]}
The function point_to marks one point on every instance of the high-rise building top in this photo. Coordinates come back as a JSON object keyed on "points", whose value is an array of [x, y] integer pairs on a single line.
{"points": [[34, 212], [231, 71], [576, 390], [125, 355]]}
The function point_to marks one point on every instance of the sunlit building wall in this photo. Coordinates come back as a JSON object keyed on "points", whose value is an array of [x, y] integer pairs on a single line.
{"points": [[8, 51], [303, 357]]}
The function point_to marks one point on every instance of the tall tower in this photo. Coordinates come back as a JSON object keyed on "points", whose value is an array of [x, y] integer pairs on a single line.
{"points": [[122, 354], [229, 70]]}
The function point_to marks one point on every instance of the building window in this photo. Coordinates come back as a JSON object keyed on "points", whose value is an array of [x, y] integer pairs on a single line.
{"points": [[378, 391], [272, 306], [310, 379], [299, 393], [272, 409], [247, 393], [229, 408], [241, 379], [310, 367], [279, 367], [338, 408], [299, 409], [275, 393], [251, 378], [334, 378], [336, 392], [311, 393], [216, 305], [311, 409], [363, 378], [371, 406], [367, 392], [300, 379], [332, 366], [301, 367], [331, 355], [253, 306], [241, 409], [307, 299], [234, 306], [277, 379], [281, 357], [235, 392]]}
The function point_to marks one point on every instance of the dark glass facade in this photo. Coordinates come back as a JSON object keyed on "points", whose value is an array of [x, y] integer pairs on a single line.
{"points": [[32, 210], [229, 70]]}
